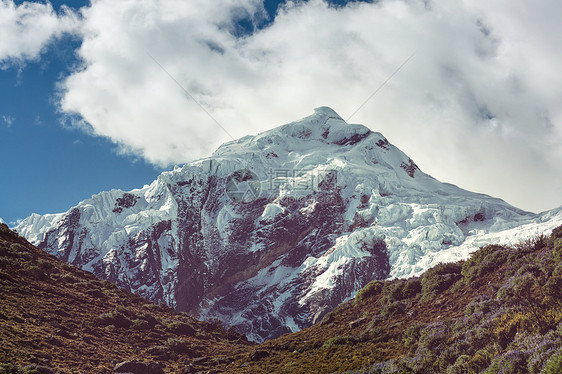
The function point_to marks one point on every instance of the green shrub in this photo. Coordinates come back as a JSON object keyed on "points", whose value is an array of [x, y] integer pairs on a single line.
{"points": [[17, 247], [129, 312], [554, 363], [140, 324], [152, 321], [434, 336], [370, 334], [9, 368], [461, 366], [520, 292], [531, 245], [412, 287], [553, 290], [45, 266], [370, 290], [21, 252], [411, 335], [480, 304], [509, 363], [339, 340], [404, 289], [557, 250], [115, 318], [181, 328], [392, 309], [36, 369], [34, 272], [439, 278], [5, 251], [178, 345], [484, 261], [557, 232]]}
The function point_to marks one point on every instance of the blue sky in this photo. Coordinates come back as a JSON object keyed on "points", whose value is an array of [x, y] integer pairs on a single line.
{"points": [[83, 109], [48, 165]]}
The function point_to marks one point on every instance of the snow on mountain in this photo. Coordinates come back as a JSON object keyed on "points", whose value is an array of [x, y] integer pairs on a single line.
{"points": [[274, 230]]}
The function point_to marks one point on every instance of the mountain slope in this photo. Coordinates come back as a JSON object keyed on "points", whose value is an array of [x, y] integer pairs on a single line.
{"points": [[273, 231], [498, 312], [57, 316]]}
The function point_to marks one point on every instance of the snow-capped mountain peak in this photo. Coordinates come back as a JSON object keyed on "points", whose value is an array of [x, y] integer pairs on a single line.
{"points": [[272, 231]]}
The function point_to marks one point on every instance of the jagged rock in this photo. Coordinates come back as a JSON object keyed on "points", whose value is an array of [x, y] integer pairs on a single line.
{"points": [[138, 367]]}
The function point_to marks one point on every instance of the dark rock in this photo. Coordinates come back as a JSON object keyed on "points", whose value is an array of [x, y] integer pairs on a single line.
{"points": [[223, 360], [410, 167], [189, 369], [138, 367], [357, 322], [200, 360], [160, 352], [352, 140], [383, 143], [259, 354], [328, 318], [126, 201]]}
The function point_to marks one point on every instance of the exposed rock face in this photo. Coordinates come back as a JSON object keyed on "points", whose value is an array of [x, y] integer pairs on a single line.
{"points": [[274, 230]]}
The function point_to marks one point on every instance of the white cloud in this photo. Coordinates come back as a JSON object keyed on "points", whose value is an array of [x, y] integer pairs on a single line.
{"points": [[27, 28], [8, 120], [123, 94], [478, 105]]}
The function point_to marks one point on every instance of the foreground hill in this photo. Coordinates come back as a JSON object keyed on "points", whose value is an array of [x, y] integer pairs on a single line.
{"points": [[54, 315], [273, 231], [498, 312]]}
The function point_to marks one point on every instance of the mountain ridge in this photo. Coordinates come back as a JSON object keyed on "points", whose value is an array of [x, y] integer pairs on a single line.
{"points": [[329, 207]]}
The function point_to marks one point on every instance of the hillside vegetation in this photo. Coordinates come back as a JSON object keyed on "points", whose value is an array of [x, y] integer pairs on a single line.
{"points": [[55, 317], [498, 312]]}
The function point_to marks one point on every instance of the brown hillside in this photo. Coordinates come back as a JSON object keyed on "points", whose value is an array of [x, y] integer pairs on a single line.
{"points": [[55, 315]]}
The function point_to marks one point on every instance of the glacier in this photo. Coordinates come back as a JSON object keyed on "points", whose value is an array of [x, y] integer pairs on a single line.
{"points": [[331, 207]]}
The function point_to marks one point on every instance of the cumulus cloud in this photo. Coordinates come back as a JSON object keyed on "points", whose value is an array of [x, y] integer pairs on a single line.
{"points": [[124, 94], [28, 27], [478, 105]]}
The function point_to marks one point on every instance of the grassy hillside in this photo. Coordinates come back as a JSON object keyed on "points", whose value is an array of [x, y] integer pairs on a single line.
{"points": [[55, 315], [498, 312]]}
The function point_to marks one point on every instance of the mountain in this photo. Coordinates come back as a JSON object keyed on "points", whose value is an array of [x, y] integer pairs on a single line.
{"points": [[57, 318], [273, 231]]}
